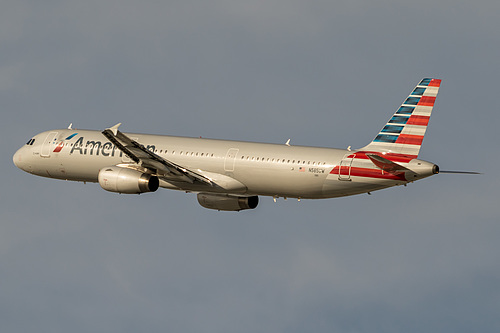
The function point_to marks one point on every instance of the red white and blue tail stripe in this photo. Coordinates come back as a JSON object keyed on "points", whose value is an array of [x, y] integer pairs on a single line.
{"points": [[404, 133]]}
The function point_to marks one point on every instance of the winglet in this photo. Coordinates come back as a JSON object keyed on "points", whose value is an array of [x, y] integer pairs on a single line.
{"points": [[114, 129]]}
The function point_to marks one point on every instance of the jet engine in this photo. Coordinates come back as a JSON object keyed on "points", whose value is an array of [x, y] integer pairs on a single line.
{"points": [[129, 181], [227, 202]]}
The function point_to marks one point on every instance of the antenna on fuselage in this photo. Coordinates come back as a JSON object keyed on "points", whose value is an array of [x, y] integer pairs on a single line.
{"points": [[288, 143], [70, 125]]}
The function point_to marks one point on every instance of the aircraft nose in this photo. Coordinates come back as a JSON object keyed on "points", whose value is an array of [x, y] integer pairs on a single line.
{"points": [[18, 159]]}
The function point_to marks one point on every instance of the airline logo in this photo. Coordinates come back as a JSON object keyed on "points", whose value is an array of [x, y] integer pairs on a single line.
{"points": [[60, 145], [405, 131], [408, 124]]}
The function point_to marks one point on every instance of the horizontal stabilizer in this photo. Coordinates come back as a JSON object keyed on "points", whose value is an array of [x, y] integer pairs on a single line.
{"points": [[386, 165]]}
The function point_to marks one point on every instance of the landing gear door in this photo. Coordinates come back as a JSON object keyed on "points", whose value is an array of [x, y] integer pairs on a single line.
{"points": [[345, 167], [48, 144]]}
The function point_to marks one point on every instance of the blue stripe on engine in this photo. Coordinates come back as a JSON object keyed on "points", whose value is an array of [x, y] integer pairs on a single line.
{"points": [[399, 120], [386, 138], [392, 129], [405, 110]]}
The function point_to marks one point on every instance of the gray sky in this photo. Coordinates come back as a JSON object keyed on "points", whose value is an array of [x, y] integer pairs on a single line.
{"points": [[423, 258]]}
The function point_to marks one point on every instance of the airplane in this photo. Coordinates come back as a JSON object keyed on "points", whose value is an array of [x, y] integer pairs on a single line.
{"points": [[231, 175]]}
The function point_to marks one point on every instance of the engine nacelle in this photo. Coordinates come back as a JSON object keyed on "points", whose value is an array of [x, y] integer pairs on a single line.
{"points": [[227, 202], [129, 181]]}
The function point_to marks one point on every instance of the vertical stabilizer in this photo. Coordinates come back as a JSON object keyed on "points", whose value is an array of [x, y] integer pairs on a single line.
{"points": [[405, 131]]}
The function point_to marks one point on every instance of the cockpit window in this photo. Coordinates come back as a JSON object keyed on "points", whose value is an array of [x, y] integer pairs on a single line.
{"points": [[30, 143]]}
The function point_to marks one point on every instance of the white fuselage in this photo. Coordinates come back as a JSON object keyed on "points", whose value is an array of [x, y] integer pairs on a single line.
{"points": [[243, 168]]}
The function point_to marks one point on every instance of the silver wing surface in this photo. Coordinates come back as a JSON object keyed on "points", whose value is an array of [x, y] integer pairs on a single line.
{"points": [[154, 163]]}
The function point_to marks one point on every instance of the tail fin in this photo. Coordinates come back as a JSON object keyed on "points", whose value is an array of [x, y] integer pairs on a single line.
{"points": [[404, 132]]}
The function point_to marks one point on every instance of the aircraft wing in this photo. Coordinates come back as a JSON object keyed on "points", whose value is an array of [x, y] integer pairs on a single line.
{"points": [[148, 159]]}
